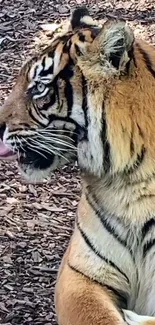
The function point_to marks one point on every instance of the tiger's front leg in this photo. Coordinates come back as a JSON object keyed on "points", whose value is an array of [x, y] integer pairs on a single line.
{"points": [[80, 301]]}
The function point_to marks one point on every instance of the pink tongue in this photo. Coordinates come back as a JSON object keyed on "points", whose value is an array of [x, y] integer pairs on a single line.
{"points": [[5, 152]]}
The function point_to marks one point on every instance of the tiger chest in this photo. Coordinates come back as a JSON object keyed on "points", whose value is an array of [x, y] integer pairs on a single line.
{"points": [[123, 264]]}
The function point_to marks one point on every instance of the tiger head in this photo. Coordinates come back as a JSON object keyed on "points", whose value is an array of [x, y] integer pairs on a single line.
{"points": [[45, 113], [89, 95]]}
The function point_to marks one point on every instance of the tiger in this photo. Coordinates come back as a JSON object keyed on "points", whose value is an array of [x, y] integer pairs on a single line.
{"points": [[90, 96]]}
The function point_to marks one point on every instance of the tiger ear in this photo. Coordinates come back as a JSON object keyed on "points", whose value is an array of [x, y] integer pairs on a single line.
{"points": [[81, 19], [113, 44]]}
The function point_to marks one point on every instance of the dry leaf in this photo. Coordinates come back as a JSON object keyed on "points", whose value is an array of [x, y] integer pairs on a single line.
{"points": [[12, 200]]}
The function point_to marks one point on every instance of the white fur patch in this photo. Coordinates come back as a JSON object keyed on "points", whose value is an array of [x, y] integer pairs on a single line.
{"points": [[34, 74], [48, 62], [40, 95], [88, 21], [134, 319], [35, 70], [56, 61], [90, 151]]}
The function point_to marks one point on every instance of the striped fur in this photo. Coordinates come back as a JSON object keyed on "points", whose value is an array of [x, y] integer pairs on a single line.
{"points": [[98, 85], [111, 253]]}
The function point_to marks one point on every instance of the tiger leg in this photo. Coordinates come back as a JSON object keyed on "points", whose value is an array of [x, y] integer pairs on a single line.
{"points": [[134, 319], [80, 301]]}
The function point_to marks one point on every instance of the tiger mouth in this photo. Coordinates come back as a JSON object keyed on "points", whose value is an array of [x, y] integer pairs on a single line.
{"points": [[6, 153], [27, 158], [41, 151], [38, 160]]}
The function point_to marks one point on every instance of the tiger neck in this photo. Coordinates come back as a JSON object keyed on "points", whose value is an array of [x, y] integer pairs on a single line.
{"points": [[130, 200]]}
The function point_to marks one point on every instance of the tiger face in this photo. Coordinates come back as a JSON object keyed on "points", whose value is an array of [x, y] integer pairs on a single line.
{"points": [[45, 114], [89, 96]]}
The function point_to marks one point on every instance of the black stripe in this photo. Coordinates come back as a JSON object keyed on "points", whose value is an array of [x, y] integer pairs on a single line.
{"points": [[148, 246], [19, 129], [132, 147], [38, 112], [81, 37], [77, 49], [147, 226], [69, 97], [122, 298], [45, 73], [105, 222], [131, 59], [109, 262], [34, 119], [43, 62], [66, 49], [56, 91], [140, 131], [25, 125], [139, 159], [78, 13], [147, 60], [131, 55], [84, 99], [106, 145], [150, 224], [35, 71], [67, 72]]}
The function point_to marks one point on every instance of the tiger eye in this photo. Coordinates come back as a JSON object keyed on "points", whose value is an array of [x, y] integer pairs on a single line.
{"points": [[40, 87]]}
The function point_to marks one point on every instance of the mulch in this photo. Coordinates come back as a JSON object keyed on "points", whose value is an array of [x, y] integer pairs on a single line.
{"points": [[36, 221]]}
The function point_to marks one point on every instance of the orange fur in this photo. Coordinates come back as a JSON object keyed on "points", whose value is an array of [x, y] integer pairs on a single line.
{"points": [[80, 301], [129, 103]]}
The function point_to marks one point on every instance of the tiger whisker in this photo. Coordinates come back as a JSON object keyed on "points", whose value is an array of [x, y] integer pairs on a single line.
{"points": [[56, 136], [47, 149], [20, 143], [51, 145], [45, 130], [57, 141], [53, 130], [55, 144], [34, 148]]}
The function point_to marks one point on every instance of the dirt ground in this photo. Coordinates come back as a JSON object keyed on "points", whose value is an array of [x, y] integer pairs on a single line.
{"points": [[36, 221]]}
